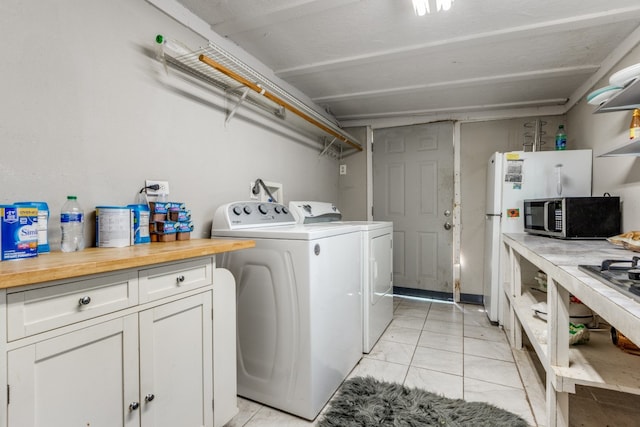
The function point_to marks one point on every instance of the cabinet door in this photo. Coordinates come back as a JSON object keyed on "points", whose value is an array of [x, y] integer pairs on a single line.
{"points": [[83, 378], [225, 386], [176, 363]]}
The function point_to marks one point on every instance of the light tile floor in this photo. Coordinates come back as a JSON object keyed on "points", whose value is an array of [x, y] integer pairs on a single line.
{"points": [[449, 349]]}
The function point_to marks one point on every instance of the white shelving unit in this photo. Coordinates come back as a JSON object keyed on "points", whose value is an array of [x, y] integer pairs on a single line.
{"points": [[626, 99], [598, 363], [214, 66]]}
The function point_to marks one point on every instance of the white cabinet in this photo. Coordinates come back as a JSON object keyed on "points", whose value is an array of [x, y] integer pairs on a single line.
{"points": [[76, 379], [135, 348], [176, 363]]}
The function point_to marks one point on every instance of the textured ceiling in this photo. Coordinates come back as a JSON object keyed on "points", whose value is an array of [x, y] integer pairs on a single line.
{"points": [[371, 59]]}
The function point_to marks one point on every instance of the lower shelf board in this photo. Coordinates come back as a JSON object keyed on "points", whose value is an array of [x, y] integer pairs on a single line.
{"points": [[598, 363]]}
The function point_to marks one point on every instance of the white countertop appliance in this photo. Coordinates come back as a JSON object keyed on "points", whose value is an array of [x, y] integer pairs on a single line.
{"points": [[513, 177], [376, 259], [298, 305]]}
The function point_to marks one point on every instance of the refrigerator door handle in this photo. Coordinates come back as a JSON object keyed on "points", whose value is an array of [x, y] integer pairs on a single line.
{"points": [[490, 215], [546, 216]]}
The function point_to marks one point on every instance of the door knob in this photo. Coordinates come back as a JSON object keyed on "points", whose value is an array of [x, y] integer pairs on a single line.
{"points": [[84, 300], [179, 279], [133, 406], [447, 226], [447, 213], [149, 397]]}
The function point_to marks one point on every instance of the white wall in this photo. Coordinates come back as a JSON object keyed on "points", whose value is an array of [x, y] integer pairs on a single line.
{"points": [[86, 109], [352, 197], [603, 132], [477, 142]]}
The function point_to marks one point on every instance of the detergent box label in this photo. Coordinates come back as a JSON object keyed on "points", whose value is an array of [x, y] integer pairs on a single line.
{"points": [[18, 232]]}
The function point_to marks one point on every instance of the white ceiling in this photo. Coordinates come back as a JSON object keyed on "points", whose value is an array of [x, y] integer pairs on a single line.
{"points": [[373, 59]]}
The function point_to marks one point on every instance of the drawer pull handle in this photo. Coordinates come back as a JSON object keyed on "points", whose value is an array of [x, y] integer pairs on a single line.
{"points": [[180, 279], [84, 300], [149, 397], [133, 406]]}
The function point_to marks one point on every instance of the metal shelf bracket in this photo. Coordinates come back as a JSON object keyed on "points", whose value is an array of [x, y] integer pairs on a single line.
{"points": [[239, 102]]}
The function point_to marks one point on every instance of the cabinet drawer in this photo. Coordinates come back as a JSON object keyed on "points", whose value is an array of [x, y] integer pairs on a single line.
{"points": [[171, 279], [37, 310]]}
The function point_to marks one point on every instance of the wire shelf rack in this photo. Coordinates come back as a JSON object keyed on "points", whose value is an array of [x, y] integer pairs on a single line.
{"points": [[217, 67]]}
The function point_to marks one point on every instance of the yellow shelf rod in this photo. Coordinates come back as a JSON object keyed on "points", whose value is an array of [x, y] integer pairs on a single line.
{"points": [[259, 89]]}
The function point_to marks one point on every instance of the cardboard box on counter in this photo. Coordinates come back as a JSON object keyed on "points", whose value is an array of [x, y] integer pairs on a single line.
{"points": [[18, 232], [179, 215], [166, 226]]}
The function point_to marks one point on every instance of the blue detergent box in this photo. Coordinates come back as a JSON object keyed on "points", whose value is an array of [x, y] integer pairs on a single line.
{"points": [[18, 232]]}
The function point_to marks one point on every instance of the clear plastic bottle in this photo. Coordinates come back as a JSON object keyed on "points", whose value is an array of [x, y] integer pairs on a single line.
{"points": [[72, 225], [561, 138]]}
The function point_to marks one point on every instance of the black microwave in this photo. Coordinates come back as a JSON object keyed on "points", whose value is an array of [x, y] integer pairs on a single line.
{"points": [[573, 217]]}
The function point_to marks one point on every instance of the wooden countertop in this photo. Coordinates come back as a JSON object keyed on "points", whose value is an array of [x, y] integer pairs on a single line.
{"points": [[59, 265]]}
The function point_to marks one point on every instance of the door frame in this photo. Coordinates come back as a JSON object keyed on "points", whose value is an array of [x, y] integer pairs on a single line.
{"points": [[456, 196]]}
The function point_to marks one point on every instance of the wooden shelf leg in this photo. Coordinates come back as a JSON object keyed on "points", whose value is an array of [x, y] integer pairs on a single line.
{"points": [[557, 407]]}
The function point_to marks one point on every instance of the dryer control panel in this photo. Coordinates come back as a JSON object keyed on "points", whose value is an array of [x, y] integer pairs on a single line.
{"points": [[251, 214], [312, 212]]}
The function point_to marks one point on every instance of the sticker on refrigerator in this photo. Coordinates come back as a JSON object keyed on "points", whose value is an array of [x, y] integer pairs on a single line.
{"points": [[513, 173], [513, 213]]}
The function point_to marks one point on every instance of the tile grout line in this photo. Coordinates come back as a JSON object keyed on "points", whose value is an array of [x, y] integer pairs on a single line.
{"points": [[415, 348]]}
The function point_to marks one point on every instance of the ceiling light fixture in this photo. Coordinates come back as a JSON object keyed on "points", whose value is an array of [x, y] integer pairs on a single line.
{"points": [[422, 7]]}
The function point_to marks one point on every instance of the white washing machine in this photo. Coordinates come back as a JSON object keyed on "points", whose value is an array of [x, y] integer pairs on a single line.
{"points": [[377, 265], [298, 305]]}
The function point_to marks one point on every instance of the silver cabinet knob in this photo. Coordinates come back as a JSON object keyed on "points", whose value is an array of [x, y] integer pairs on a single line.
{"points": [[84, 301], [133, 406], [447, 226], [180, 279], [149, 397], [447, 213]]}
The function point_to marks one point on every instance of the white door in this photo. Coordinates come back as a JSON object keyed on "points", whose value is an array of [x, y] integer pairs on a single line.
{"points": [[176, 363], [84, 378], [413, 187]]}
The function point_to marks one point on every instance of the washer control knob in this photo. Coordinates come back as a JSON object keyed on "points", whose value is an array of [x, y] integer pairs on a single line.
{"points": [[263, 209], [277, 209], [285, 210], [247, 210], [236, 210]]}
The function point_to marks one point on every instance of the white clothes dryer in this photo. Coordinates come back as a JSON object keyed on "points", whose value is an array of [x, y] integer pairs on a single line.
{"points": [[298, 305], [376, 259]]}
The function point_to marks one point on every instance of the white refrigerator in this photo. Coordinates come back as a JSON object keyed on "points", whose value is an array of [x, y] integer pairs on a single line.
{"points": [[513, 177]]}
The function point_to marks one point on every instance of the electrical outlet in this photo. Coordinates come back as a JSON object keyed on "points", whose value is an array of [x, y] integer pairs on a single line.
{"points": [[343, 169], [164, 187], [251, 195]]}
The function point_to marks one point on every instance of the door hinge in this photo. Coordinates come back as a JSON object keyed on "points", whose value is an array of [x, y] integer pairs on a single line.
{"points": [[212, 314], [372, 147], [8, 394], [371, 211]]}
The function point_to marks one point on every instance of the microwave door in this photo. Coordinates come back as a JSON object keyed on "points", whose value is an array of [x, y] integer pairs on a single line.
{"points": [[546, 216]]}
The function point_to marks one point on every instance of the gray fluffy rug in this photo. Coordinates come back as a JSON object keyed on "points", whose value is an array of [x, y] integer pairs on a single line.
{"points": [[368, 402]]}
